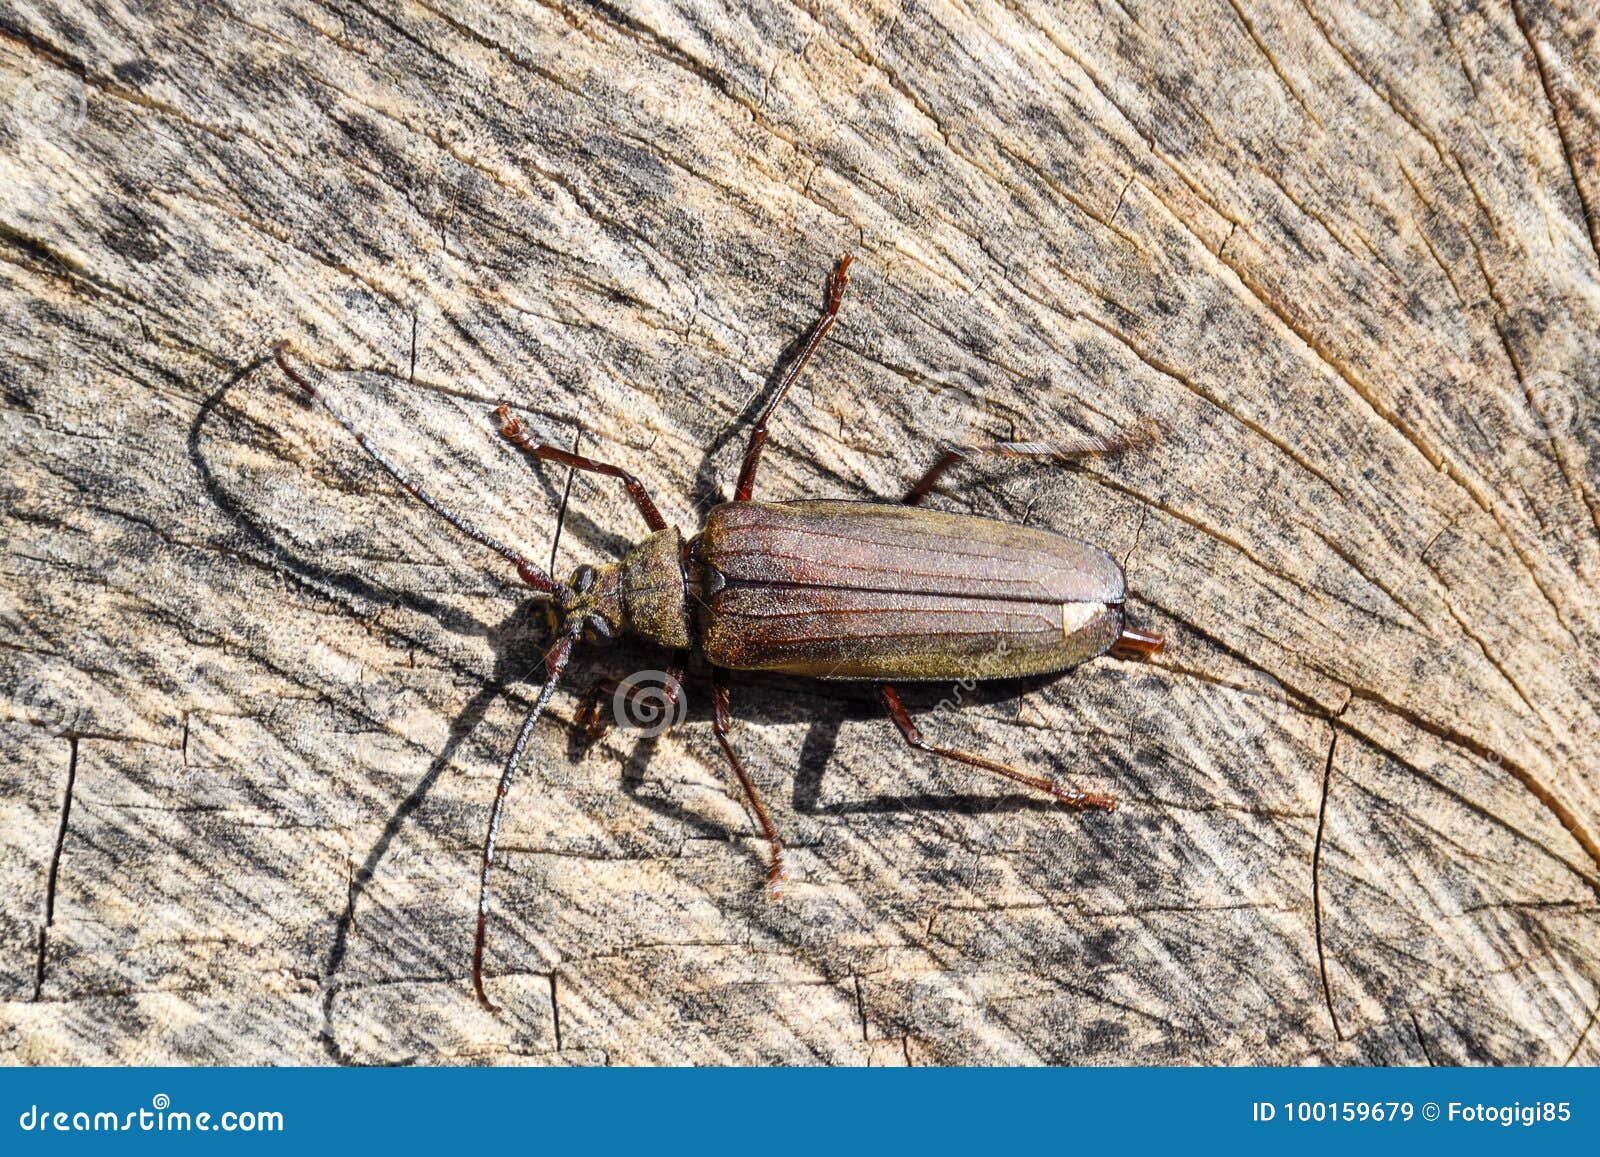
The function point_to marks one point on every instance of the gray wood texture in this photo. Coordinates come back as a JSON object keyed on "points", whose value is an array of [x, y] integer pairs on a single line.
{"points": [[256, 700]]}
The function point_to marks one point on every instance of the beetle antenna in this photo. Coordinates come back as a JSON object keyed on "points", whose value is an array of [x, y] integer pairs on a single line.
{"points": [[555, 663], [561, 515], [527, 571]]}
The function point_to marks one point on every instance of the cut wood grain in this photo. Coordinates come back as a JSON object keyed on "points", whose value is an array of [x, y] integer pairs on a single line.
{"points": [[258, 700]]}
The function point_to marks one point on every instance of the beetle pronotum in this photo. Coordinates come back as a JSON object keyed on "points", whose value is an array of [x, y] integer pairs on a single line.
{"points": [[871, 591]]}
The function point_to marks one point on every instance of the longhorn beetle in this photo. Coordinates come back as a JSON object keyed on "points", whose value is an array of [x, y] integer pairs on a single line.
{"points": [[878, 592]]}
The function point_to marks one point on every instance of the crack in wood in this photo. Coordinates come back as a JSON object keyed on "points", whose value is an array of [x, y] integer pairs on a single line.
{"points": [[1316, 887], [47, 916]]}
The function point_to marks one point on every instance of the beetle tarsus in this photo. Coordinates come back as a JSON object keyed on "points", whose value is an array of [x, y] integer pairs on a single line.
{"points": [[511, 426], [589, 719], [1086, 801], [838, 280]]}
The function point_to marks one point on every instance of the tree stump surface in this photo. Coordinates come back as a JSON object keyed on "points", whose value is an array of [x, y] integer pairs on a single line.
{"points": [[258, 699]]}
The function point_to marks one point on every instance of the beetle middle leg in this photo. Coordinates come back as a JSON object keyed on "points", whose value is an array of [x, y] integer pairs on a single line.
{"points": [[720, 723], [902, 719], [837, 280], [512, 431]]}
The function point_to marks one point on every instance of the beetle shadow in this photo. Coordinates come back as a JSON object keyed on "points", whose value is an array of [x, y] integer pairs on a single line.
{"points": [[517, 642], [860, 703], [279, 556], [517, 654]]}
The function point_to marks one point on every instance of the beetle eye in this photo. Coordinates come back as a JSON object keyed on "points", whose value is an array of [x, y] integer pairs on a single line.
{"points": [[599, 629], [583, 579]]}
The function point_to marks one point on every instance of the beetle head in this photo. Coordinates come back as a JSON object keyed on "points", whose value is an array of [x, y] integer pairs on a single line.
{"points": [[591, 602]]}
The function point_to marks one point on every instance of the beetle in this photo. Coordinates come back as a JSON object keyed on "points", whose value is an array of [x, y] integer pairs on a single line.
{"points": [[878, 592]]}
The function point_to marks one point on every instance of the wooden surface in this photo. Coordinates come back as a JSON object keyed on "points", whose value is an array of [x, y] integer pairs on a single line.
{"points": [[257, 700]]}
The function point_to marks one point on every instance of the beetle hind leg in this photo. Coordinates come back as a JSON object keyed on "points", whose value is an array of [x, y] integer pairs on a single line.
{"points": [[902, 719], [1061, 449]]}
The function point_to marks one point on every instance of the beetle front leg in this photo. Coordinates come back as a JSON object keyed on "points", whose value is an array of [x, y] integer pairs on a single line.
{"points": [[902, 719], [1063, 450], [720, 722], [512, 431]]}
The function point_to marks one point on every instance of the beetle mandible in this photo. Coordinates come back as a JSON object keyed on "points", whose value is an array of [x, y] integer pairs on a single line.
{"points": [[878, 592]]}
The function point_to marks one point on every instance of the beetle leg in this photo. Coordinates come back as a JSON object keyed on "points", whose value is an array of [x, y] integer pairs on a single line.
{"points": [[1064, 450], [512, 431], [837, 280], [902, 720], [720, 722], [593, 721]]}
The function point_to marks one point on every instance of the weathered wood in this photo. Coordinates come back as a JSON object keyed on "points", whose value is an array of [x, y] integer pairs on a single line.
{"points": [[1347, 254]]}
